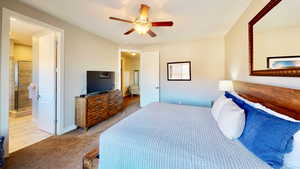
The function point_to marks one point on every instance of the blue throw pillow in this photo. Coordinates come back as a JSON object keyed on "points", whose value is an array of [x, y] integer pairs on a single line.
{"points": [[1, 152], [236, 100], [268, 136]]}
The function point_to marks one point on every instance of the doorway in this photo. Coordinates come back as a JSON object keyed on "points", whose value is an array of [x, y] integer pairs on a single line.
{"points": [[31, 81], [139, 74], [26, 118], [130, 75]]}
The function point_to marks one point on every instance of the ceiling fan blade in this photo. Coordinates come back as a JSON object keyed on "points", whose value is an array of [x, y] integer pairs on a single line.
{"points": [[151, 33], [122, 20], [165, 23], [144, 10], [129, 32]]}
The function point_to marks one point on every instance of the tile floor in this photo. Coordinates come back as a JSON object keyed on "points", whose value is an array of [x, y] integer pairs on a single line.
{"points": [[24, 132]]}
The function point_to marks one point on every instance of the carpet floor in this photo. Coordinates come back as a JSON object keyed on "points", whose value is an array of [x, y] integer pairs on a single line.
{"points": [[66, 151]]}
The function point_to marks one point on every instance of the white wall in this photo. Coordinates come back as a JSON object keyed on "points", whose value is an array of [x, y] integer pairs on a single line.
{"points": [[236, 42], [83, 51], [87, 52], [207, 57]]}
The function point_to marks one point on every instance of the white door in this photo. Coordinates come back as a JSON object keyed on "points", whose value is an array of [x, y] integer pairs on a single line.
{"points": [[149, 78], [46, 114]]}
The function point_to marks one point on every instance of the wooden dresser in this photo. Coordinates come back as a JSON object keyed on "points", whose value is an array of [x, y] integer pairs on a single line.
{"points": [[91, 110]]}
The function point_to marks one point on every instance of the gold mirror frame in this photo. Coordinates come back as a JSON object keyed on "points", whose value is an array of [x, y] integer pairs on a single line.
{"points": [[290, 72]]}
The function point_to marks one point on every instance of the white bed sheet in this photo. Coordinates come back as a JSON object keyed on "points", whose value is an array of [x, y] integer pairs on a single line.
{"points": [[167, 136]]}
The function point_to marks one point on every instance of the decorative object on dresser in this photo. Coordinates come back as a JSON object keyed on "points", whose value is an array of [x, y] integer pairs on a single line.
{"points": [[93, 109]]}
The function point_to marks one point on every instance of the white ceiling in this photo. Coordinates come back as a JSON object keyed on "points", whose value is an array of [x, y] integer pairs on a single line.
{"points": [[285, 14], [22, 32], [193, 19]]}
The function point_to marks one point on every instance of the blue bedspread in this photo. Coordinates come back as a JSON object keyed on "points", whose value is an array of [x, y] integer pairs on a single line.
{"points": [[166, 136]]}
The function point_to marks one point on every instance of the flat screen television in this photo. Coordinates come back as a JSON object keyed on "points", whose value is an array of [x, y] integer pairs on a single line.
{"points": [[100, 81]]}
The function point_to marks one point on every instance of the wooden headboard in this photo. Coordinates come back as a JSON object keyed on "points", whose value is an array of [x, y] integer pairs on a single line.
{"points": [[282, 100]]}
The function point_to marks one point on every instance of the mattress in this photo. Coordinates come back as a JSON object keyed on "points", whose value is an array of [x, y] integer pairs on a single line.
{"points": [[167, 136]]}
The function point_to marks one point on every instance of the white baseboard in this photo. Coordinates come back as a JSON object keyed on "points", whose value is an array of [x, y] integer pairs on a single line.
{"points": [[68, 129]]}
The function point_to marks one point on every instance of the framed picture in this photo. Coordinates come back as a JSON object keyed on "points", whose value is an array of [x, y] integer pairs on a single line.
{"points": [[283, 62], [179, 71]]}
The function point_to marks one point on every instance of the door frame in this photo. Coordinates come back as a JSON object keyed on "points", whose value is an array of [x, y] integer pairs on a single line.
{"points": [[4, 83]]}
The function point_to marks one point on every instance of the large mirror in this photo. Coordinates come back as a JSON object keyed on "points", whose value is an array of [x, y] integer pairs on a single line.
{"points": [[274, 39]]}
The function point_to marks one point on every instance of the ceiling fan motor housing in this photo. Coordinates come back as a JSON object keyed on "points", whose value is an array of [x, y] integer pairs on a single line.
{"points": [[142, 25]]}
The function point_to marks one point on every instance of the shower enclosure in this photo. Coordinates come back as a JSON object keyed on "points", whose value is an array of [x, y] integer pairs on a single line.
{"points": [[23, 78]]}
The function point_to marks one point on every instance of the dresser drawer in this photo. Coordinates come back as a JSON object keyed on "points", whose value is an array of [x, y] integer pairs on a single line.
{"points": [[97, 100], [95, 109]]}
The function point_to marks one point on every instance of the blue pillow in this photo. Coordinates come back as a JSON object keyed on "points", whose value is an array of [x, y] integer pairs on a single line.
{"points": [[1, 152], [268, 136], [236, 100]]}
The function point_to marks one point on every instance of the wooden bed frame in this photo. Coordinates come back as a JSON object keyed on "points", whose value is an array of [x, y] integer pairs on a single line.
{"points": [[282, 100]]}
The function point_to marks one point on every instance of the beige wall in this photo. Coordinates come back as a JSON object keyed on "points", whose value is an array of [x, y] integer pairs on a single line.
{"points": [[207, 57], [133, 64], [83, 51], [22, 52], [275, 42], [236, 42]]}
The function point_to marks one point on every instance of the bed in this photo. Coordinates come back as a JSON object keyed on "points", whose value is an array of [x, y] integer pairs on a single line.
{"points": [[168, 136]]}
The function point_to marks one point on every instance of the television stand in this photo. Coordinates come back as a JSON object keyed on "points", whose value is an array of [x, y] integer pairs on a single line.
{"points": [[93, 109]]}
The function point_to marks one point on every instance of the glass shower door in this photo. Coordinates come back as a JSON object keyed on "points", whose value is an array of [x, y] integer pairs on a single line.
{"points": [[23, 80]]}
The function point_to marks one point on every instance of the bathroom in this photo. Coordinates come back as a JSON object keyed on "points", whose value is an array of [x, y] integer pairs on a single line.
{"points": [[20, 79]]}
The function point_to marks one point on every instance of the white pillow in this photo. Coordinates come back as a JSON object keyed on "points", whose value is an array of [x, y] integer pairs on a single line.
{"points": [[217, 106], [231, 120]]}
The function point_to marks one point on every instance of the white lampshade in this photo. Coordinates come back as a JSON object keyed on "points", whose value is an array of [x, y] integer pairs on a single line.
{"points": [[225, 85]]}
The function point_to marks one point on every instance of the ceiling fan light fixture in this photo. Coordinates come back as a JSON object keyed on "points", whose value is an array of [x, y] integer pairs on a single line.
{"points": [[142, 25], [142, 28]]}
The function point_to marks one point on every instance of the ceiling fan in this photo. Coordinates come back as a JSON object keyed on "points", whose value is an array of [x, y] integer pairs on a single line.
{"points": [[141, 24]]}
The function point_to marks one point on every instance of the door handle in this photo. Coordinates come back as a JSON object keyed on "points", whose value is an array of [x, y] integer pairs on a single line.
{"points": [[157, 87]]}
